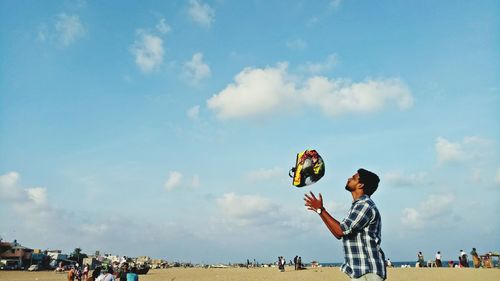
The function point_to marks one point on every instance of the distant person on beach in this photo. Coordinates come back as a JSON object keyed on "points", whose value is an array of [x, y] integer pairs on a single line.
{"points": [[78, 273], [438, 259], [95, 273], [71, 274], [132, 275], [463, 261], [295, 261], [299, 263], [122, 274], [281, 263], [107, 275], [85, 274], [360, 231], [475, 258], [420, 260]]}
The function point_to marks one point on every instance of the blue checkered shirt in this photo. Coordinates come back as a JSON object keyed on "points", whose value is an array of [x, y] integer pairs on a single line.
{"points": [[362, 235]]}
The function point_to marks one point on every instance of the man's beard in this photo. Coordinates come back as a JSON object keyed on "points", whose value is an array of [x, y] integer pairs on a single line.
{"points": [[347, 187]]}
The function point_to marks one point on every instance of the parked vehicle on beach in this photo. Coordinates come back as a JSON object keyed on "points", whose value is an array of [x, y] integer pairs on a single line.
{"points": [[34, 267], [11, 265], [8, 267]]}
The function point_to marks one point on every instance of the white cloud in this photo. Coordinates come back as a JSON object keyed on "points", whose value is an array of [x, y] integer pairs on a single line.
{"points": [[297, 44], [411, 217], [470, 148], [246, 209], [9, 180], [265, 174], [173, 181], [316, 68], [337, 97], [13, 193], [437, 204], [194, 112], [255, 92], [69, 29], [148, 52], [258, 92], [448, 151], [253, 216], [436, 209], [400, 179], [38, 195], [176, 180], [163, 27], [29, 205], [32, 214], [9, 189], [196, 70], [200, 13]]}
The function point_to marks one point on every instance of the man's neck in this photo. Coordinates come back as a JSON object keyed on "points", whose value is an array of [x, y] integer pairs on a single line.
{"points": [[356, 194]]}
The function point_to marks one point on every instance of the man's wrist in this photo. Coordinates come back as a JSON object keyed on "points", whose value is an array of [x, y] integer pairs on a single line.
{"points": [[320, 210]]}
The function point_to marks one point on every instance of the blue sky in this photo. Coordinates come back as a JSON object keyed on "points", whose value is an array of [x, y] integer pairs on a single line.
{"points": [[167, 129]]}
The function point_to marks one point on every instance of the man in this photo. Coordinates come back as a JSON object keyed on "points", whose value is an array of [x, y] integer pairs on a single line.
{"points": [[85, 274], [464, 261], [107, 275], [132, 275], [71, 274], [122, 274], [96, 273], [420, 260], [360, 231], [475, 258], [438, 259]]}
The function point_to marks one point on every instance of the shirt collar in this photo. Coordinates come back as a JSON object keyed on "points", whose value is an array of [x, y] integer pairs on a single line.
{"points": [[361, 198]]}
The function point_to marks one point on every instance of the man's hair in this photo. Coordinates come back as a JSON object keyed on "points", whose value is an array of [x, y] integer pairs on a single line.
{"points": [[369, 180]]}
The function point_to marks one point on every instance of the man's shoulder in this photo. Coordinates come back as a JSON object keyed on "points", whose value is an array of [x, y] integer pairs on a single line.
{"points": [[365, 200], [366, 204]]}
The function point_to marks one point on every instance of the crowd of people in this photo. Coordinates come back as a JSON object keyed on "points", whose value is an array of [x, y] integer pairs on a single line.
{"points": [[463, 260], [297, 263], [120, 273]]}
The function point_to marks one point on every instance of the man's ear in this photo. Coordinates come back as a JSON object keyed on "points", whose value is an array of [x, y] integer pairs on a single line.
{"points": [[361, 186]]}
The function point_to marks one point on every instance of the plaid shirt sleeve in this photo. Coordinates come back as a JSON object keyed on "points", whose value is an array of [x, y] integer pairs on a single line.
{"points": [[358, 218]]}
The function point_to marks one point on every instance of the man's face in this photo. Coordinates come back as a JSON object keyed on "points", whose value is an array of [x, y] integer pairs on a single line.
{"points": [[352, 182]]}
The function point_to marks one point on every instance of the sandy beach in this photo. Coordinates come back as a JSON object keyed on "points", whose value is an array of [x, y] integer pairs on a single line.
{"points": [[261, 274]]}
